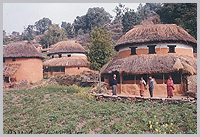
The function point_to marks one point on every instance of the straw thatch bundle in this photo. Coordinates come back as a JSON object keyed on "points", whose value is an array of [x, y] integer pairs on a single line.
{"points": [[152, 64], [21, 50], [157, 33], [69, 46], [10, 68], [68, 62]]}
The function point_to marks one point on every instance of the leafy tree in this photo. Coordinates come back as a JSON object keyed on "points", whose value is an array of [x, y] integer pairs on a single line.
{"points": [[119, 11], [182, 14], [95, 17], [28, 33], [144, 11], [68, 28], [129, 20], [53, 35], [80, 23], [14, 33], [153, 6], [100, 50], [6, 41], [42, 25], [4, 33]]}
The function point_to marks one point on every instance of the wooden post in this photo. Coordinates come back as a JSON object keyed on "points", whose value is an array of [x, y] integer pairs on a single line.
{"points": [[134, 79], [183, 88], [163, 79], [9, 79], [99, 79], [120, 74]]}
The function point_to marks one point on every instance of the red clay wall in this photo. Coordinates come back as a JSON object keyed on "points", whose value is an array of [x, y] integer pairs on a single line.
{"points": [[30, 69], [75, 70], [53, 73], [160, 90], [179, 51], [68, 71]]}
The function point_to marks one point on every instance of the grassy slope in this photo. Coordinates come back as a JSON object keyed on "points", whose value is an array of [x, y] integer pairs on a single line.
{"points": [[52, 109]]}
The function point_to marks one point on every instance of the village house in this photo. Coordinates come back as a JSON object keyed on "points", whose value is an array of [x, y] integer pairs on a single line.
{"points": [[66, 57], [158, 50], [21, 61]]}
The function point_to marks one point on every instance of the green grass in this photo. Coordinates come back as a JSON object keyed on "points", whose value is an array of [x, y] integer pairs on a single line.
{"points": [[61, 109]]}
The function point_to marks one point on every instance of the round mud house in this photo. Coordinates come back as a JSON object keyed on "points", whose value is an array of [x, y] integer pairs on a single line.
{"points": [[21, 61], [66, 57], [158, 50]]}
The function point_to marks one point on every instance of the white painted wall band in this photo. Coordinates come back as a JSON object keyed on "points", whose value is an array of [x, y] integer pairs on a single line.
{"points": [[178, 45]]}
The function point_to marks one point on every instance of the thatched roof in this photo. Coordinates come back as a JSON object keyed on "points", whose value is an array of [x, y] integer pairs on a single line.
{"points": [[21, 49], [69, 46], [69, 62], [151, 64], [10, 68], [157, 33]]}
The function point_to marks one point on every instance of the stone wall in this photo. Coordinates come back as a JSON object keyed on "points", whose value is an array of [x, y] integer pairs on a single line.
{"points": [[192, 85], [136, 99]]}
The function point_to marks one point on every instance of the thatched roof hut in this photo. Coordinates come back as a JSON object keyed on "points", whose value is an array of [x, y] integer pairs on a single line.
{"points": [[68, 62], [151, 64], [21, 50], [69, 46], [10, 68], [157, 33]]}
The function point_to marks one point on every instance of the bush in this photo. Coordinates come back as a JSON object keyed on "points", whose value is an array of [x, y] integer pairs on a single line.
{"points": [[45, 77], [73, 89]]}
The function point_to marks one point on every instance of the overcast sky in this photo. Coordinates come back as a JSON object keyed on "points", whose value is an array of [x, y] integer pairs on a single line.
{"points": [[16, 16]]}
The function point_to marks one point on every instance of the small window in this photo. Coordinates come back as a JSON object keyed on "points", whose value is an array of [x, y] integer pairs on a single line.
{"points": [[69, 55], [60, 55], [62, 69], [13, 59], [128, 77], [45, 69], [176, 77], [12, 79], [102, 79], [171, 48], [133, 50], [56, 69], [6, 79], [3, 59], [151, 49]]}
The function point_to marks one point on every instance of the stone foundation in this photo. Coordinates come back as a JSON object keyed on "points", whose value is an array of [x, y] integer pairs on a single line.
{"points": [[192, 86], [136, 99]]}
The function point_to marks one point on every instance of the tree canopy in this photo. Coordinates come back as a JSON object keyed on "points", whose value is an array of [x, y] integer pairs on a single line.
{"points": [[42, 25], [119, 11], [129, 20], [182, 14], [53, 35], [100, 50], [94, 18], [68, 28], [28, 33]]}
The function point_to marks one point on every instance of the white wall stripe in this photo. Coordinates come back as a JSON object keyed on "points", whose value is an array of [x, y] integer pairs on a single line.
{"points": [[178, 45]]}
